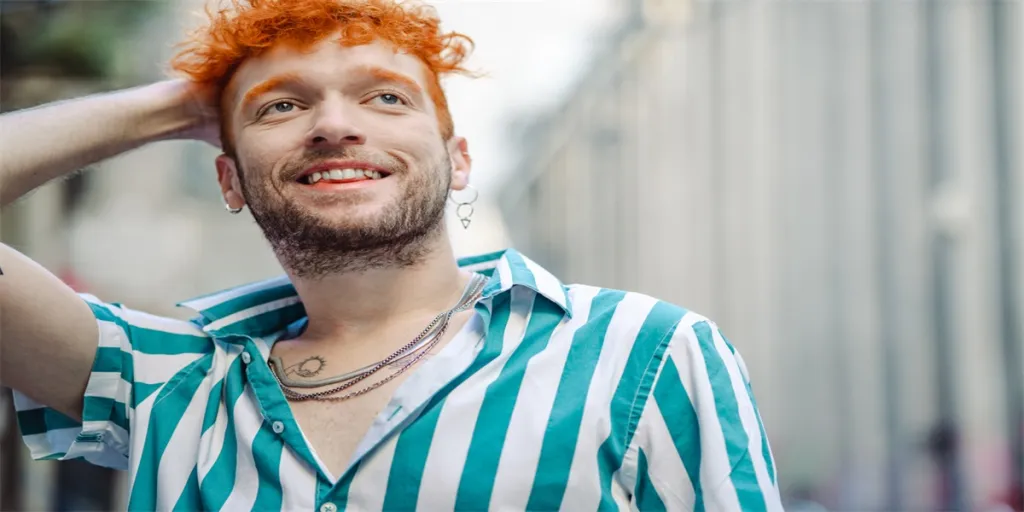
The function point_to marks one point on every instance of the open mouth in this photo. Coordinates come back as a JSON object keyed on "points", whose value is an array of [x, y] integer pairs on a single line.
{"points": [[342, 176]]}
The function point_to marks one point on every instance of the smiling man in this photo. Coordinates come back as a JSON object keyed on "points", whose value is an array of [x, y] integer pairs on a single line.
{"points": [[379, 373]]}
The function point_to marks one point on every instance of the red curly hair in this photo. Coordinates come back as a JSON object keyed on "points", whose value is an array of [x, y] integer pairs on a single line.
{"points": [[246, 29]]}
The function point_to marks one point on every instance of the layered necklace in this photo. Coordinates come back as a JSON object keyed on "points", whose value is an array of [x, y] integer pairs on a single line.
{"points": [[405, 357]]}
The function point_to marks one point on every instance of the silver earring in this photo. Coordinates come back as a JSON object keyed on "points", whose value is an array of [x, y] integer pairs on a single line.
{"points": [[464, 209], [233, 211]]}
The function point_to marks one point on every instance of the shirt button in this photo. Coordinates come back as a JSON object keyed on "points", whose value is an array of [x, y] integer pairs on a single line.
{"points": [[277, 426], [246, 358], [328, 507]]}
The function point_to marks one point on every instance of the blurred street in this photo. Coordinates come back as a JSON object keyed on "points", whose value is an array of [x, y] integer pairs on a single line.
{"points": [[837, 184]]}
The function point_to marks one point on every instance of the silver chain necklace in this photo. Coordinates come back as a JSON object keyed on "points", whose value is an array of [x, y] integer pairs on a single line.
{"points": [[412, 351]]}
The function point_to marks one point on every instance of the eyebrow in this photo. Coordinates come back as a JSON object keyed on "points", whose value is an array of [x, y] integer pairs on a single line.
{"points": [[268, 85], [386, 75]]}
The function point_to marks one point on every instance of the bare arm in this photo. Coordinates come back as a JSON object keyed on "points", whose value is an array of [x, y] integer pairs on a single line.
{"points": [[47, 333]]}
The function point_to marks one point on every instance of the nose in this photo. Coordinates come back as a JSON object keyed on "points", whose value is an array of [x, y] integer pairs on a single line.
{"points": [[335, 125]]}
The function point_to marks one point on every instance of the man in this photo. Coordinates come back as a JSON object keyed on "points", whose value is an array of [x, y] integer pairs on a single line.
{"points": [[379, 373]]}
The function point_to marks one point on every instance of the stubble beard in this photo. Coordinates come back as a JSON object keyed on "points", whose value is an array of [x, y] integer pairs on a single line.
{"points": [[312, 247]]}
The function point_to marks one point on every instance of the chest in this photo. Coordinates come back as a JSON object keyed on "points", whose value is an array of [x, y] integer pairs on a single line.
{"points": [[335, 429]]}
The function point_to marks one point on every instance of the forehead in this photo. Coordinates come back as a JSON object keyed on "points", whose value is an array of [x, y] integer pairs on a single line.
{"points": [[327, 62]]}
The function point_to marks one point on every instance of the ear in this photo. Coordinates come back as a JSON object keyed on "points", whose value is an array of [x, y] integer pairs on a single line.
{"points": [[230, 186], [458, 152]]}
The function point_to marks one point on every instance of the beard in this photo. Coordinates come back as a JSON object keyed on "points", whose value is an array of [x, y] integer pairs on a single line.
{"points": [[312, 246]]}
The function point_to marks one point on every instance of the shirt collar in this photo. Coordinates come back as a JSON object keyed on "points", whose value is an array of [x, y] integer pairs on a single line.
{"points": [[266, 307]]}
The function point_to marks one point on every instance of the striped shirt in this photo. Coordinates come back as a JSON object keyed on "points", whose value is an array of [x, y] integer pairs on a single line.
{"points": [[551, 397]]}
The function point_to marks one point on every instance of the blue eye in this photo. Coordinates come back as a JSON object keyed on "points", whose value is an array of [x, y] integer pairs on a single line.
{"points": [[283, 107], [390, 99]]}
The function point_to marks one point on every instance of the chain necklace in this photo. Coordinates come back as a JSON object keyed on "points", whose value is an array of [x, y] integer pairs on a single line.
{"points": [[415, 349]]}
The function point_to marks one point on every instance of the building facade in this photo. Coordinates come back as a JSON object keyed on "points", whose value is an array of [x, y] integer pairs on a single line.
{"points": [[834, 183]]}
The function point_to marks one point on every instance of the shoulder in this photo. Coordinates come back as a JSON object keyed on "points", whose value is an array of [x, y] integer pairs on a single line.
{"points": [[633, 308], [637, 318], [122, 325]]}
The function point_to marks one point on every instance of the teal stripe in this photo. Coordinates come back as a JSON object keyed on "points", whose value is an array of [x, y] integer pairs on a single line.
{"points": [[142, 391], [748, 491], [521, 274], [477, 482], [559, 445], [55, 456], [108, 359], [249, 300], [152, 342], [414, 442], [165, 416], [266, 454], [267, 323], [39, 421], [644, 494], [127, 367], [212, 406], [683, 424], [103, 314], [190, 498], [344, 487], [481, 258], [632, 391], [95, 408], [766, 451], [218, 482]]}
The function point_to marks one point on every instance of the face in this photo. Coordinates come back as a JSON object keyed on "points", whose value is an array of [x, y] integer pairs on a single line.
{"points": [[339, 156]]}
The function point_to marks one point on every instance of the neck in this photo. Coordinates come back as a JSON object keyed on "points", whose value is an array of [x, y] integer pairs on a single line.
{"points": [[352, 303]]}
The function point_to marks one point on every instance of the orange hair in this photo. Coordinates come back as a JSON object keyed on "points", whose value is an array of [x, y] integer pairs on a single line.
{"points": [[248, 28]]}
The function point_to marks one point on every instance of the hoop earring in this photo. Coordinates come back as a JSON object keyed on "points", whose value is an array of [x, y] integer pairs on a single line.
{"points": [[464, 209], [233, 211]]}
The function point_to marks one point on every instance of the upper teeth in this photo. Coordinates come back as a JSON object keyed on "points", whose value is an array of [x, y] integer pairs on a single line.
{"points": [[344, 174]]}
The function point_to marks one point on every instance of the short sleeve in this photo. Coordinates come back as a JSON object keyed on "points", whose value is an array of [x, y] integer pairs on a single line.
{"points": [[700, 443], [136, 354], [102, 437]]}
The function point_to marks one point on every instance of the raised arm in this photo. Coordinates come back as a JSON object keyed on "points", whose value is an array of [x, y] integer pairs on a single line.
{"points": [[48, 335]]}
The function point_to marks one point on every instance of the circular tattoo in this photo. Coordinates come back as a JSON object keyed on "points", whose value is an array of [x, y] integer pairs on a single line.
{"points": [[310, 367]]}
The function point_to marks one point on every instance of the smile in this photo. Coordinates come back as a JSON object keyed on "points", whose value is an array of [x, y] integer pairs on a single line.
{"points": [[341, 176]]}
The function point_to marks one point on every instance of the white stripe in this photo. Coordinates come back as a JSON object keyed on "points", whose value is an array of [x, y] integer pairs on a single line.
{"points": [[504, 274], [51, 441], [693, 372], [749, 419], [664, 465], [583, 489], [212, 441], [457, 420], [370, 484], [23, 403], [483, 265], [546, 283], [215, 299], [247, 425], [162, 324], [179, 456], [298, 482], [160, 368], [107, 385], [252, 312], [140, 434], [111, 335], [519, 457]]}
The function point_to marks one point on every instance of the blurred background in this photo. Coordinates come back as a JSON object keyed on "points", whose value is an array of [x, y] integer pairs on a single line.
{"points": [[836, 183]]}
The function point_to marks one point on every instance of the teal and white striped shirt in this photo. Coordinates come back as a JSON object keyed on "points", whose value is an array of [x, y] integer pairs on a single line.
{"points": [[552, 397]]}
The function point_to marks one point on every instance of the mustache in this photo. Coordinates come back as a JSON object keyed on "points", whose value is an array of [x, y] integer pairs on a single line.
{"points": [[315, 156]]}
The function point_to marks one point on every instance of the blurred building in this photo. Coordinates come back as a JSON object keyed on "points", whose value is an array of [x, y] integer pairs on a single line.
{"points": [[837, 184]]}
